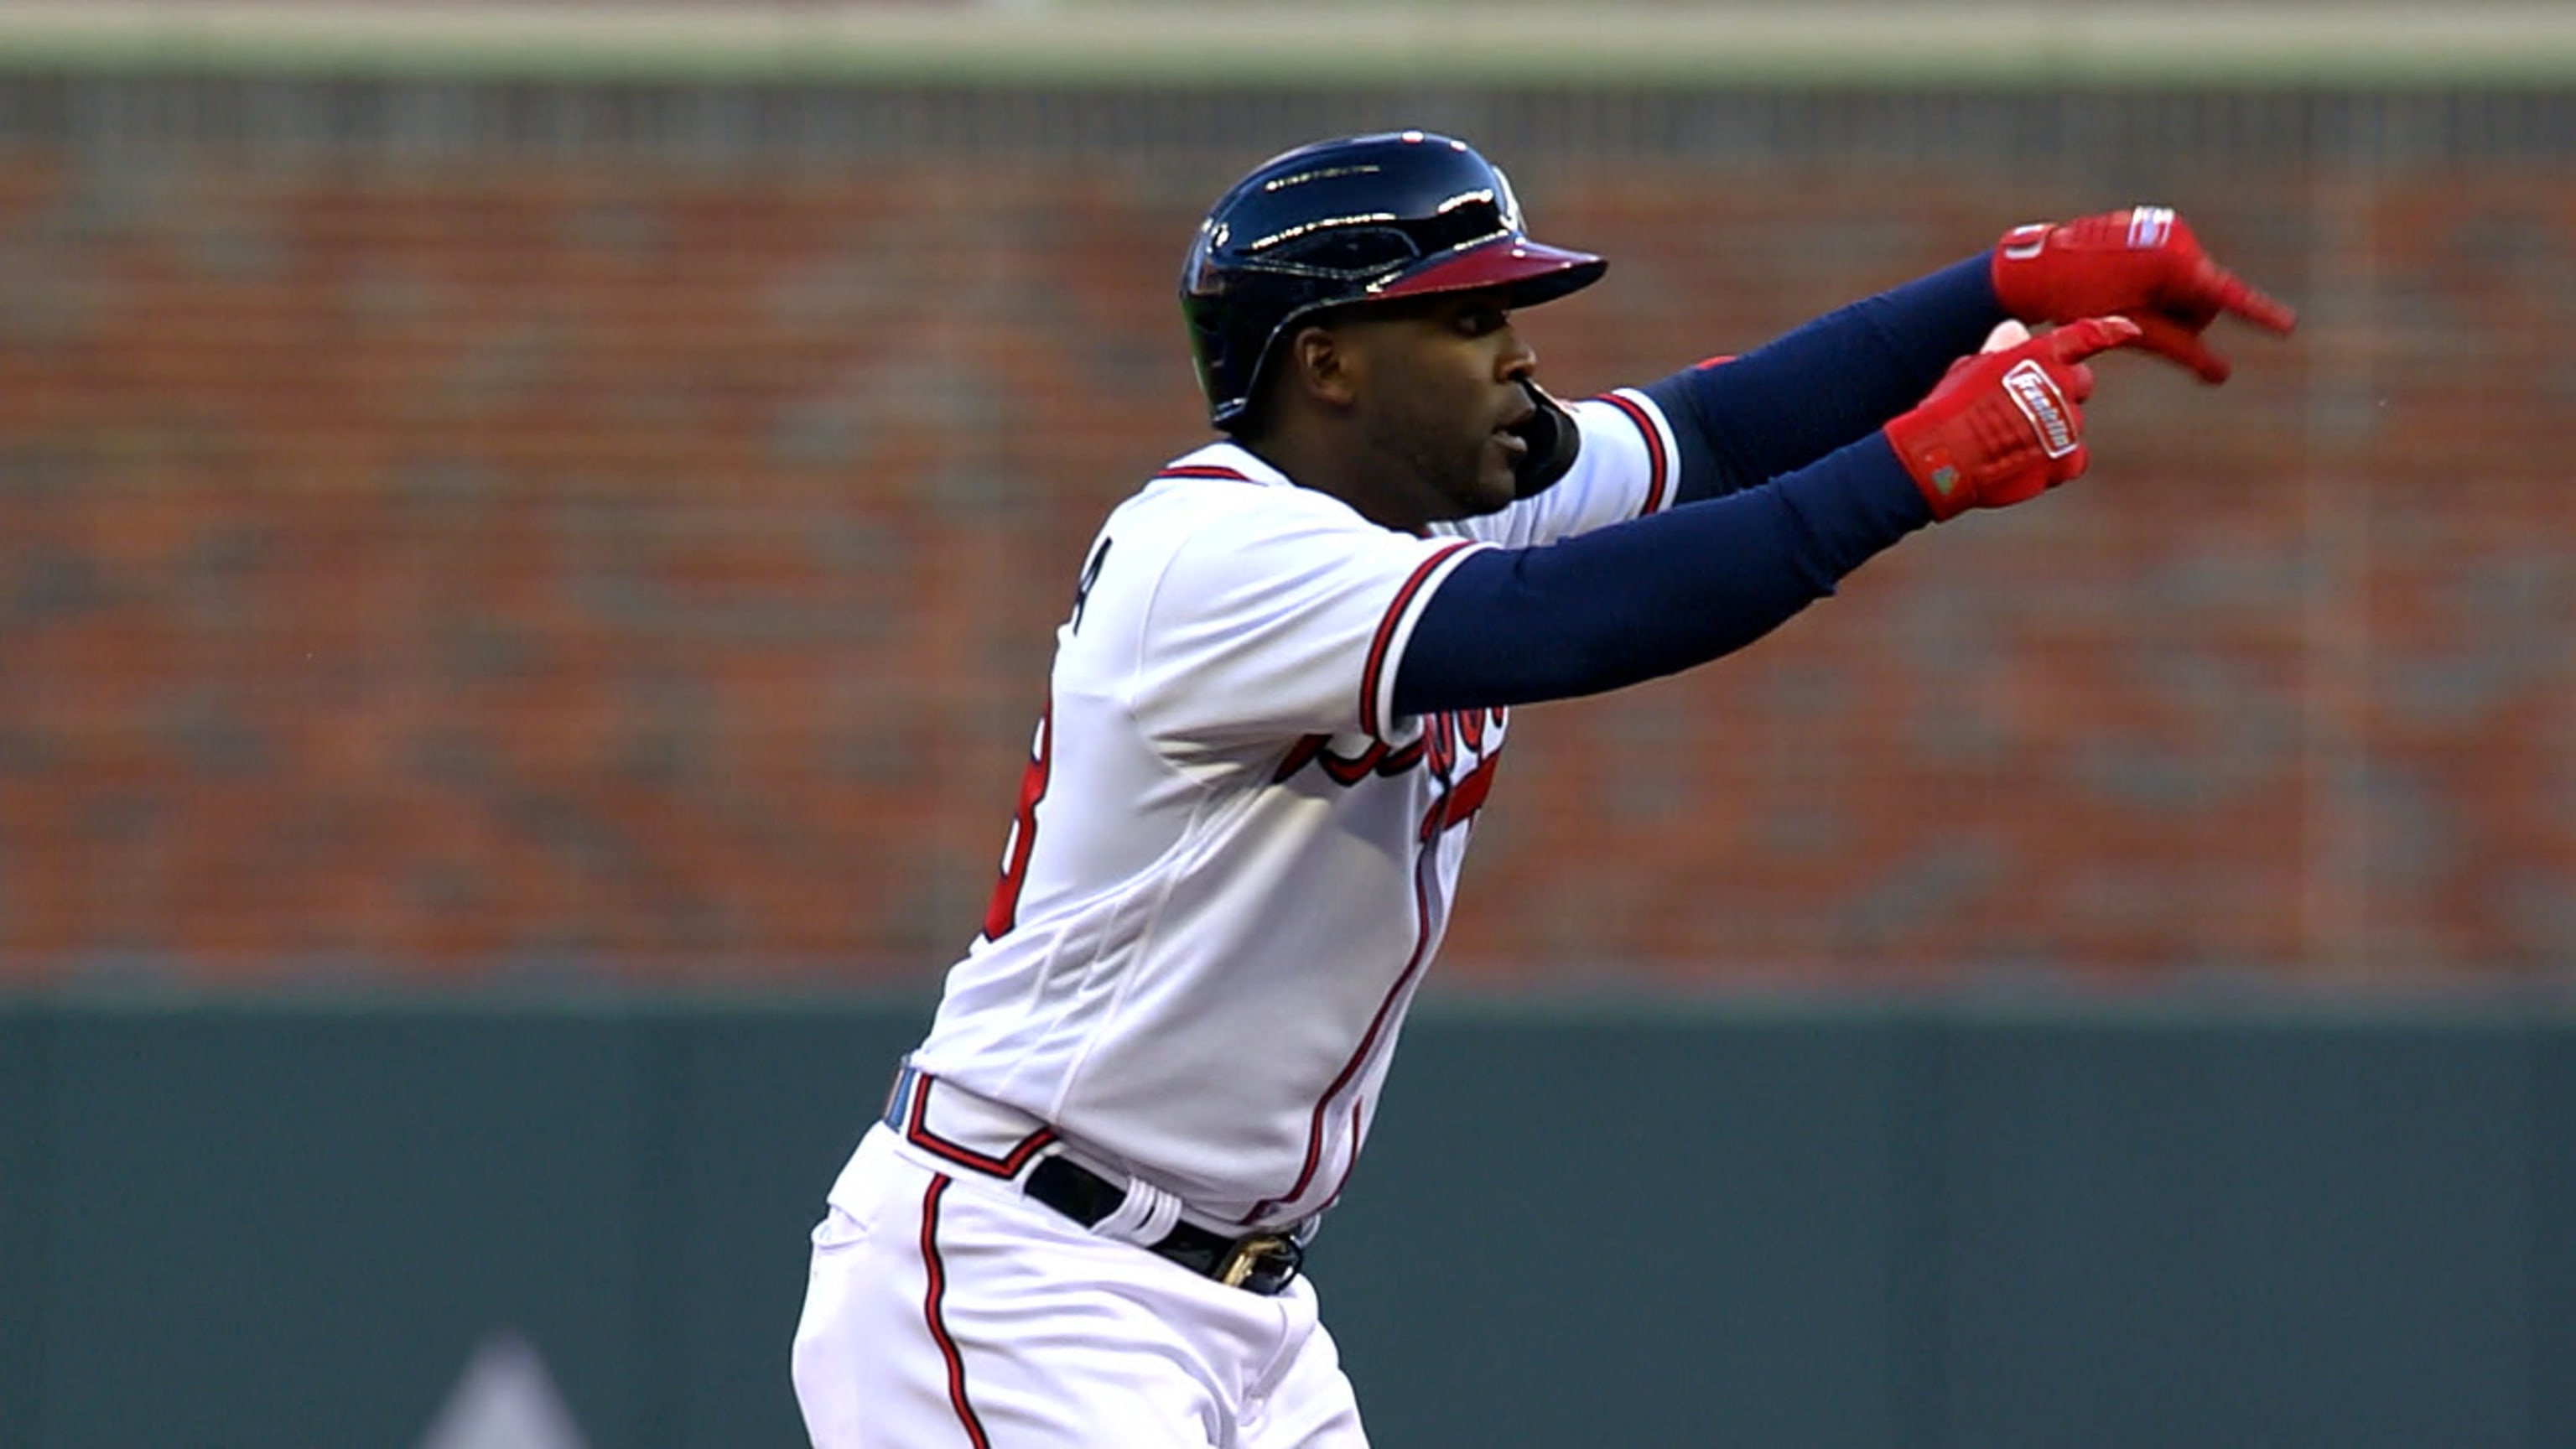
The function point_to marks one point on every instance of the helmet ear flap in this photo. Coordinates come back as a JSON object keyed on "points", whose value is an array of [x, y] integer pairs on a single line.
{"points": [[1554, 443]]}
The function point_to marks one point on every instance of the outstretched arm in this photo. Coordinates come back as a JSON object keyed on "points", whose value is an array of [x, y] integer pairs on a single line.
{"points": [[1786, 404], [1817, 388], [1655, 595]]}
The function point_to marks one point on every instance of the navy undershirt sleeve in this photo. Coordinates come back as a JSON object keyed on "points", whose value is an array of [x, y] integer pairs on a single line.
{"points": [[1655, 595], [1837, 379]]}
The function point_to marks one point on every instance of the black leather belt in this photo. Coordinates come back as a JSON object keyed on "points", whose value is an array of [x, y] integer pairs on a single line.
{"points": [[1262, 1263]]}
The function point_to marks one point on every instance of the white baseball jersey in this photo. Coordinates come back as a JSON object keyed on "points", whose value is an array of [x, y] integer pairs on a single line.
{"points": [[1232, 859]]}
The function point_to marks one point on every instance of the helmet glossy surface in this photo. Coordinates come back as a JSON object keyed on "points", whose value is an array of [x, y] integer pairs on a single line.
{"points": [[1355, 220]]}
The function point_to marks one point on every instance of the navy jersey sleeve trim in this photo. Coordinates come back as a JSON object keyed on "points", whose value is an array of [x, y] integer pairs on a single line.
{"points": [[1654, 595], [1825, 385]]}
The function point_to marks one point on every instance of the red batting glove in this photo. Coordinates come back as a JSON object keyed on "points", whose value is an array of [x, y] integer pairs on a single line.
{"points": [[2004, 427], [2143, 264]]}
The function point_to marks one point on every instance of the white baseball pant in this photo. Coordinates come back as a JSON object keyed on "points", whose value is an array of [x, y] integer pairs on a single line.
{"points": [[944, 1308]]}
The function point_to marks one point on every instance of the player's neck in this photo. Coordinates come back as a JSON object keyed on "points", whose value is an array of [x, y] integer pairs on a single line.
{"points": [[1309, 461]]}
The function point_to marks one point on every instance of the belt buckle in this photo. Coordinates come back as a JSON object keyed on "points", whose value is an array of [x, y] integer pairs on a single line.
{"points": [[1249, 1254]]}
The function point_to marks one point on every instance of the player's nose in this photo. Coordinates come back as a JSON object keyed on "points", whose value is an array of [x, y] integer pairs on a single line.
{"points": [[1516, 359]]}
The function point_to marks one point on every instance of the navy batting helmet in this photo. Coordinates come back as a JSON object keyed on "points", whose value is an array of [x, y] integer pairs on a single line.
{"points": [[1361, 219]]}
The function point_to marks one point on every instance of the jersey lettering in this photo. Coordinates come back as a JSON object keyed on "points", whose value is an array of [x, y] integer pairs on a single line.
{"points": [[1459, 803], [1376, 759], [1090, 576], [1004, 909], [1448, 740]]}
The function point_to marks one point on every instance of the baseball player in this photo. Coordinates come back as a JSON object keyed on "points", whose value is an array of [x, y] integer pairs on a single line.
{"points": [[1280, 695]]}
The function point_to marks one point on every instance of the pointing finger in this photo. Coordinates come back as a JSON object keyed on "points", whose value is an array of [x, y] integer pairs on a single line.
{"points": [[2241, 298], [2079, 340], [2181, 343]]}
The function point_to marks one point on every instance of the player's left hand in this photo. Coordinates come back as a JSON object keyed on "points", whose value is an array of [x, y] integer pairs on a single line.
{"points": [[2007, 424], [2143, 264]]}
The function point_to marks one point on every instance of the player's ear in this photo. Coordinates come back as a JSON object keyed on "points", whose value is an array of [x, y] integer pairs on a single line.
{"points": [[1321, 364]]}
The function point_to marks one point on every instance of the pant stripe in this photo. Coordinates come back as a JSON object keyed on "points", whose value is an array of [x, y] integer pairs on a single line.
{"points": [[938, 1279]]}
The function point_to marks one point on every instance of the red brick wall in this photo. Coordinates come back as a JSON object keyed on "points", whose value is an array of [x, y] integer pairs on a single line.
{"points": [[484, 567]]}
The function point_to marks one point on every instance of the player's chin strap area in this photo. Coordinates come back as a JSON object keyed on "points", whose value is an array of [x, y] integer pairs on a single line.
{"points": [[995, 1141], [1553, 440]]}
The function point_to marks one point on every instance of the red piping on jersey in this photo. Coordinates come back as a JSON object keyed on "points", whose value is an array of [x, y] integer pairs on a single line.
{"points": [[1656, 460], [1203, 470], [937, 1275], [920, 1136], [1315, 1123], [1386, 635], [1351, 1160]]}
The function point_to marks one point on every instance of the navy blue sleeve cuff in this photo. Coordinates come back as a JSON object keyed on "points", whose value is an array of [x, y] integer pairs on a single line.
{"points": [[1655, 595], [1826, 384]]}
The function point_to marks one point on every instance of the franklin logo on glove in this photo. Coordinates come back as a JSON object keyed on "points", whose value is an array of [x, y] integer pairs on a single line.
{"points": [[2040, 402]]}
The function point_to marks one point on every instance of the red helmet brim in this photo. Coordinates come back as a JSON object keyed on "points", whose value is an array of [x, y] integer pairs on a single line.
{"points": [[1529, 272]]}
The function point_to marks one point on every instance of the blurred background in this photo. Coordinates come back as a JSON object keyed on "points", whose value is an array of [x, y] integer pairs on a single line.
{"points": [[529, 542]]}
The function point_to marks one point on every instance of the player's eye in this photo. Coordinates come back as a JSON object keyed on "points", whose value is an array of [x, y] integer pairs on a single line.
{"points": [[1480, 319]]}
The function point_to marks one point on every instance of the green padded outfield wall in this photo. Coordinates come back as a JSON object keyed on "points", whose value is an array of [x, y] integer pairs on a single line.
{"points": [[228, 1224]]}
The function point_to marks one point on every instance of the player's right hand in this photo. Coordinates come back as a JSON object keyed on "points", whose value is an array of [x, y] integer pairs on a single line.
{"points": [[2008, 425], [2142, 263]]}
